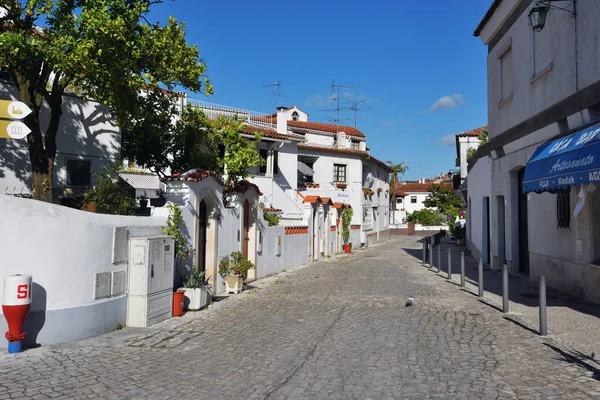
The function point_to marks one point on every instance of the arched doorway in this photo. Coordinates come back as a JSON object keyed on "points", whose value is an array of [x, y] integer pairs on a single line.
{"points": [[202, 228]]}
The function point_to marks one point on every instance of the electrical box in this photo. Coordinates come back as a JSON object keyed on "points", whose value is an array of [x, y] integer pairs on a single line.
{"points": [[150, 280]]}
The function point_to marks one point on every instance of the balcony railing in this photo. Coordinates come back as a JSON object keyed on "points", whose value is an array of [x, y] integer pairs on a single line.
{"points": [[251, 118]]}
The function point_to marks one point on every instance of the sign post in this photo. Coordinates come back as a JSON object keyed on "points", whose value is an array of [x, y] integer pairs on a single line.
{"points": [[9, 112]]}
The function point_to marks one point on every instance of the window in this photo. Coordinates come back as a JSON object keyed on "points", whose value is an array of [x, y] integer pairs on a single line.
{"points": [[275, 162], [506, 74], [339, 173], [78, 172], [563, 209], [262, 169], [295, 116], [354, 144], [399, 200], [542, 49], [413, 199]]}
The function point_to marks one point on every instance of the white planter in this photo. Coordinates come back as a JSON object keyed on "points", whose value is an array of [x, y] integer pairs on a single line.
{"points": [[233, 284], [197, 299]]}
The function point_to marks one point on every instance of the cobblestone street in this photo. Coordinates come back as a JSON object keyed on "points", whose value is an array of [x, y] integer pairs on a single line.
{"points": [[335, 329]]}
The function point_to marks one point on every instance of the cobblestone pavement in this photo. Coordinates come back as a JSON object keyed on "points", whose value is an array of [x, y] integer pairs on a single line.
{"points": [[335, 329]]}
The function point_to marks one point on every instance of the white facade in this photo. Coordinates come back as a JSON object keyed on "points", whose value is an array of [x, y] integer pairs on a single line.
{"points": [[540, 85], [87, 140], [464, 142]]}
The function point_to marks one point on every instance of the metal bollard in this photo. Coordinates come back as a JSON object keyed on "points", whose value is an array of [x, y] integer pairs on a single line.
{"points": [[439, 266], [480, 271], [543, 316], [449, 264], [505, 288], [462, 268], [431, 255]]}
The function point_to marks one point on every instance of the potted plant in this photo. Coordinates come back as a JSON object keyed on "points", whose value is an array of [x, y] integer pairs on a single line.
{"points": [[234, 269], [143, 198], [160, 199], [346, 220], [196, 290]]}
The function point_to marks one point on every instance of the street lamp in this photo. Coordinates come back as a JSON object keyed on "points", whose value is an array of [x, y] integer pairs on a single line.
{"points": [[537, 15]]}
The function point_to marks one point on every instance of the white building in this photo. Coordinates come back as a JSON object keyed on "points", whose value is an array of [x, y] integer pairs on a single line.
{"points": [[543, 92], [464, 142]]}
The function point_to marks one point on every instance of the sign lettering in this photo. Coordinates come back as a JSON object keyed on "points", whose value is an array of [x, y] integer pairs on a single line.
{"points": [[22, 291]]}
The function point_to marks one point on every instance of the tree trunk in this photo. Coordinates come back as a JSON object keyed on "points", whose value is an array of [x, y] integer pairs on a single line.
{"points": [[42, 149]]}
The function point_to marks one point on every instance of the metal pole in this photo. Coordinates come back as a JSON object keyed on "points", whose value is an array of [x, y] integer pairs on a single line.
{"points": [[505, 288], [449, 264], [480, 270], [431, 255], [462, 268], [543, 316], [439, 266]]}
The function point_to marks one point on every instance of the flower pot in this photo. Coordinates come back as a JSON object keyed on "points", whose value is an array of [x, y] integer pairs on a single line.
{"points": [[234, 283], [347, 248], [143, 203], [158, 202], [197, 298]]}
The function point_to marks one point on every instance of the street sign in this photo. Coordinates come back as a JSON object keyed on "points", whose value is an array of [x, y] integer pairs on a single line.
{"points": [[13, 109], [13, 130]]}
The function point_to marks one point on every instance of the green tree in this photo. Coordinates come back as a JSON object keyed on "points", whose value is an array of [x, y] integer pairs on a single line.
{"points": [[442, 197], [395, 180], [110, 194], [105, 50]]}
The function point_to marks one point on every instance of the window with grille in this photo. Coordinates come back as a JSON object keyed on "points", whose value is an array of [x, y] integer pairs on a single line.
{"points": [[413, 199], [542, 49], [506, 74], [354, 145], [563, 209], [339, 173], [79, 172]]}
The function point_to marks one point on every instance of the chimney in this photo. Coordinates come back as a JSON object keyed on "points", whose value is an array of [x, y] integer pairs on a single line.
{"points": [[282, 120]]}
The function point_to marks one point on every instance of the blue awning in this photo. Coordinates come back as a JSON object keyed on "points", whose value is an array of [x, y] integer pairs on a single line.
{"points": [[562, 163]]}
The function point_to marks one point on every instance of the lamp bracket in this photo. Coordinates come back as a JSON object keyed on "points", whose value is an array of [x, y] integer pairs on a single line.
{"points": [[550, 6]]}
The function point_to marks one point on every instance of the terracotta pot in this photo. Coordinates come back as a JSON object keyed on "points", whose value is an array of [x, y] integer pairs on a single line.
{"points": [[347, 248]]}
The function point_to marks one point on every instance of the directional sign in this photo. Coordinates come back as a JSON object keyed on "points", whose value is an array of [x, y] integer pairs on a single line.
{"points": [[13, 109], [13, 130]]}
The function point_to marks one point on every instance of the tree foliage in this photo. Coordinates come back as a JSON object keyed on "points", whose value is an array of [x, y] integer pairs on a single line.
{"points": [[427, 217], [110, 194], [106, 50], [395, 180], [442, 197]]}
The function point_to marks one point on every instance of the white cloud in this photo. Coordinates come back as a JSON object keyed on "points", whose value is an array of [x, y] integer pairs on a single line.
{"points": [[447, 102], [449, 140]]}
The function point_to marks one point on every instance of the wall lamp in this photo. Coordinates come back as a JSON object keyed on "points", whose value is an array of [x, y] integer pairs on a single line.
{"points": [[537, 15]]}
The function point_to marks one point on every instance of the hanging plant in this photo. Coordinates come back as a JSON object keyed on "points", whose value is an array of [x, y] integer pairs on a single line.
{"points": [[174, 228]]}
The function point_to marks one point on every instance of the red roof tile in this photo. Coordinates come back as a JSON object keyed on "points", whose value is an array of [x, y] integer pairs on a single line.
{"points": [[193, 175], [330, 128], [312, 199], [326, 200], [400, 193], [473, 133], [271, 209], [272, 134], [243, 186], [338, 205], [415, 187]]}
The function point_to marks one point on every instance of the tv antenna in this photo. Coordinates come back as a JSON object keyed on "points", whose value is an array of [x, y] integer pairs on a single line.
{"points": [[354, 108], [275, 86], [338, 87]]}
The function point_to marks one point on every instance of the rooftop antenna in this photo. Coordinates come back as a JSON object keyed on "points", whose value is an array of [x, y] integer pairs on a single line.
{"points": [[338, 87], [275, 86], [356, 109]]}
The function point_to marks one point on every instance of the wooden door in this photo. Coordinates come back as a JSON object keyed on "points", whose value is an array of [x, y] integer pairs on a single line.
{"points": [[202, 227], [246, 229]]}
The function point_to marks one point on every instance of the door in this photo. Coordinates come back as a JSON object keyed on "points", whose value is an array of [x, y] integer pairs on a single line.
{"points": [[246, 229], [202, 226], [501, 237], [523, 233], [486, 231]]}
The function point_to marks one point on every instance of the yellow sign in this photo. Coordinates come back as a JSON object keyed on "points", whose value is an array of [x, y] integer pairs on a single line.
{"points": [[13, 130], [13, 109]]}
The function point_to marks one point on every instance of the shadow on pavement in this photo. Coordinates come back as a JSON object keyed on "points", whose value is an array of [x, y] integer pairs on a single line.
{"points": [[579, 359]]}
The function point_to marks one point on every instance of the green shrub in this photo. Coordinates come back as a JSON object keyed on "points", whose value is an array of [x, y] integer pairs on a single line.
{"points": [[272, 219], [427, 217], [195, 280], [346, 221], [110, 194], [235, 264]]}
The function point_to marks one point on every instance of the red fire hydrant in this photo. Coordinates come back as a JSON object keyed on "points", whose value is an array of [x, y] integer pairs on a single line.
{"points": [[15, 306], [178, 299]]}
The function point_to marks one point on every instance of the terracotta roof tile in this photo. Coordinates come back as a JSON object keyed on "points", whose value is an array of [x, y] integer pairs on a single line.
{"points": [[243, 186], [193, 175], [473, 133], [272, 134], [326, 200], [330, 128], [415, 187], [400, 193], [271, 209], [312, 199]]}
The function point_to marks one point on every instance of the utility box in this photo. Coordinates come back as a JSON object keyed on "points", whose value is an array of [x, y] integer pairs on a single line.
{"points": [[150, 280]]}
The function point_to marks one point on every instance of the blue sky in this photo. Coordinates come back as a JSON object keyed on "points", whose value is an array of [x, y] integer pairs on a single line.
{"points": [[423, 74]]}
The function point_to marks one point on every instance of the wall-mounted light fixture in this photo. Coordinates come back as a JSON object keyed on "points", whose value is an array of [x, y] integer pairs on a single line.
{"points": [[538, 14]]}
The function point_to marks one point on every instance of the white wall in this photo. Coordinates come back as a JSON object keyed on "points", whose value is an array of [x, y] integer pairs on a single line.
{"points": [[464, 144], [63, 249], [409, 206], [479, 186], [319, 140], [87, 131]]}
